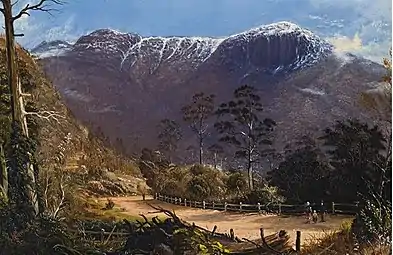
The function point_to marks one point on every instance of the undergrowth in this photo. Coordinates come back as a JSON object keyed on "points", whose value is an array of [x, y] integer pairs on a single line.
{"points": [[342, 242]]}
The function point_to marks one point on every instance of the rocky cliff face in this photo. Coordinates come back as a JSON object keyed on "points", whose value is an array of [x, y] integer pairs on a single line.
{"points": [[126, 83]]}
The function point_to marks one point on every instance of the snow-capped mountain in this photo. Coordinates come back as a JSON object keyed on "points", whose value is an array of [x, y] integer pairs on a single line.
{"points": [[303, 48], [51, 49], [145, 79]]}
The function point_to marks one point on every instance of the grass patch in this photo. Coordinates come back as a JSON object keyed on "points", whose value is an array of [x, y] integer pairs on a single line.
{"points": [[341, 242], [95, 209]]}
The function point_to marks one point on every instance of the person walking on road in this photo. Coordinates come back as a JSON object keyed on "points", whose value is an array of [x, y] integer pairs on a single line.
{"points": [[323, 212], [308, 212], [315, 216]]}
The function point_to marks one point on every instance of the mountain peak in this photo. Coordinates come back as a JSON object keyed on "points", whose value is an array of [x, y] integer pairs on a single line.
{"points": [[282, 27], [51, 49], [105, 31], [276, 47]]}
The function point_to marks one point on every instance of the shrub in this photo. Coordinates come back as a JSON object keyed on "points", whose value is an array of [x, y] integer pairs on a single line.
{"points": [[237, 184], [264, 195], [373, 223]]}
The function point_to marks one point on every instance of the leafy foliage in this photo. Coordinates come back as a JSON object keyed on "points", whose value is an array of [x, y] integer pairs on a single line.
{"points": [[199, 241], [354, 148], [302, 175], [150, 164], [361, 157], [374, 222], [19, 156], [237, 184], [265, 194], [205, 184], [241, 125], [169, 135], [387, 63]]}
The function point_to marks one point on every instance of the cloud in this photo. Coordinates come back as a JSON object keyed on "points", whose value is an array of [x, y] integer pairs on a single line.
{"points": [[373, 51], [345, 44], [35, 31], [40, 26]]}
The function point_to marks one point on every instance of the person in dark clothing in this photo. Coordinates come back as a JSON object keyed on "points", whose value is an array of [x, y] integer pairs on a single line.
{"points": [[323, 211], [308, 211]]}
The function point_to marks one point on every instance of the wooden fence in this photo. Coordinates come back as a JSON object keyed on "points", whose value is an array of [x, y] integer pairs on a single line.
{"points": [[334, 208]]}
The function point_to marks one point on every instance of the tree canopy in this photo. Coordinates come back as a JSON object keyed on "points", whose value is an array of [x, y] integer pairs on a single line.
{"points": [[241, 125]]}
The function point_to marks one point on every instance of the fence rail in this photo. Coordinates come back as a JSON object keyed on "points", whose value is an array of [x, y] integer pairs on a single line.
{"points": [[334, 208]]}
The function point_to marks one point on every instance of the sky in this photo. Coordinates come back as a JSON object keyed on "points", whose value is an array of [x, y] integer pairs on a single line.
{"points": [[360, 26]]}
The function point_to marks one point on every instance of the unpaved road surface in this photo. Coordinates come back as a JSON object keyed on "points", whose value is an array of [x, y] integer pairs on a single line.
{"points": [[245, 225]]}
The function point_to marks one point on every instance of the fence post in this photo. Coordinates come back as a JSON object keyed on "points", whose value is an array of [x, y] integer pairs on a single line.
{"points": [[179, 201], [232, 233], [185, 202], [164, 198], [195, 204], [102, 234], [225, 206], [259, 207], [240, 206], [298, 235], [333, 209], [204, 204], [279, 209], [213, 205], [175, 200]]}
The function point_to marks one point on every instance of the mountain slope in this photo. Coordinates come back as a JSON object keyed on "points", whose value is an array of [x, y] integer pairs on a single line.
{"points": [[124, 83], [63, 143]]}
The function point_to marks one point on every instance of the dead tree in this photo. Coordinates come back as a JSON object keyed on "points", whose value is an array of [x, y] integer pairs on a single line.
{"points": [[16, 96]]}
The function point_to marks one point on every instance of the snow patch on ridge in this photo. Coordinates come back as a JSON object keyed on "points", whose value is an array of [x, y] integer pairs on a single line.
{"points": [[154, 51], [313, 91], [52, 49]]}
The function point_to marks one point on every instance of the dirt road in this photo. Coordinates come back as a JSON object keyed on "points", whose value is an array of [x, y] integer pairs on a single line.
{"points": [[245, 225]]}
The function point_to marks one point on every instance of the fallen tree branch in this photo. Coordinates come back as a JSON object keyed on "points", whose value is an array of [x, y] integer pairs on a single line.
{"points": [[326, 249], [266, 244]]}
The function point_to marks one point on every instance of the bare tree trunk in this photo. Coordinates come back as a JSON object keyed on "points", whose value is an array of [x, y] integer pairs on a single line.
{"points": [[215, 160], [11, 61], [200, 149], [249, 170], [17, 106], [3, 173]]}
